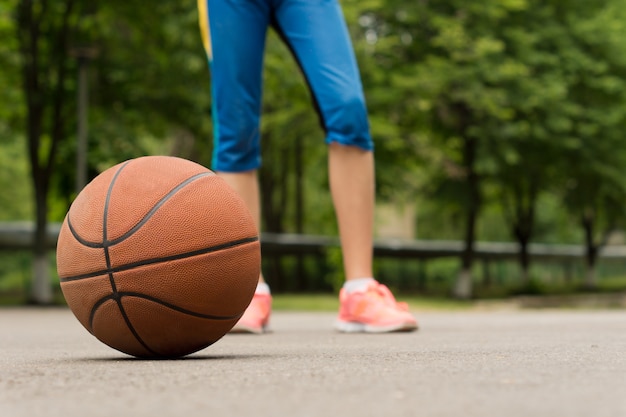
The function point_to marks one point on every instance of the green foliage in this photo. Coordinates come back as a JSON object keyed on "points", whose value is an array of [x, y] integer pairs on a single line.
{"points": [[530, 81], [149, 84], [335, 276], [11, 109], [16, 198], [538, 87], [16, 202]]}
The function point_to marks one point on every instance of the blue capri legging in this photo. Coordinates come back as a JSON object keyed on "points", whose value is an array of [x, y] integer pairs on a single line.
{"points": [[234, 33]]}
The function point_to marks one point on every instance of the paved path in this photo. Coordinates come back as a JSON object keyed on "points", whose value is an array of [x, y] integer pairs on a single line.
{"points": [[484, 364]]}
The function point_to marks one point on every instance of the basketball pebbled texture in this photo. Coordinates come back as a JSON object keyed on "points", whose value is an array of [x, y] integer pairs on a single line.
{"points": [[158, 257]]}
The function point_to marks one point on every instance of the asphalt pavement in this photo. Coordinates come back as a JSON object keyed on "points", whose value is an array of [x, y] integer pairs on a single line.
{"points": [[487, 364]]}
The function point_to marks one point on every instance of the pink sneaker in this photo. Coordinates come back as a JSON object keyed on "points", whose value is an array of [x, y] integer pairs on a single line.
{"points": [[256, 317], [390, 299], [373, 310]]}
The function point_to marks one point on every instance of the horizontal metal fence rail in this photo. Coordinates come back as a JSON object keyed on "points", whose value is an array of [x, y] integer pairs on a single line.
{"points": [[429, 249], [19, 236]]}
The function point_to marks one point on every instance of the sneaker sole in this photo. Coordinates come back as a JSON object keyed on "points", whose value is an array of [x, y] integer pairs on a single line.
{"points": [[355, 327], [242, 329]]}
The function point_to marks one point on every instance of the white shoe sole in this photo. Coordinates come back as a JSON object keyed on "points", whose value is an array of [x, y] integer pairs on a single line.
{"points": [[356, 327], [242, 329]]}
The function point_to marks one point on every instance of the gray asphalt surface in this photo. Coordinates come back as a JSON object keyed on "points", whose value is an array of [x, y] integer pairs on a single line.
{"points": [[487, 364]]}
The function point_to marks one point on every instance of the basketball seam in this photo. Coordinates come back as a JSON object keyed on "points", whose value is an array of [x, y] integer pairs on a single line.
{"points": [[117, 298], [152, 261], [105, 238], [143, 221], [122, 294]]}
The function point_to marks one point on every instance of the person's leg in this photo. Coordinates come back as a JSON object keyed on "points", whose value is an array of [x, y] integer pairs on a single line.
{"points": [[235, 48], [351, 172], [247, 186], [234, 37], [256, 317], [317, 34]]}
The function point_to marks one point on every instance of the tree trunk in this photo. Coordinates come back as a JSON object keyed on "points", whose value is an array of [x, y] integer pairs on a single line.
{"points": [[41, 290], [591, 281], [299, 207], [267, 190], [523, 225], [525, 278], [487, 278], [463, 286], [44, 79], [273, 190], [524, 260], [591, 250]]}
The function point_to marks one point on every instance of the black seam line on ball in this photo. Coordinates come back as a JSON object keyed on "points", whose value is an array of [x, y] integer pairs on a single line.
{"points": [[105, 241], [174, 307], [105, 216], [117, 298], [184, 255], [143, 221]]}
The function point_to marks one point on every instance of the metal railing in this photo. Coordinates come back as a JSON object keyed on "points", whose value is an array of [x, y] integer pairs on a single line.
{"points": [[19, 236]]}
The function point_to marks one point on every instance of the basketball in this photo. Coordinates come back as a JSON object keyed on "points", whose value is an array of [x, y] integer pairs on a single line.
{"points": [[158, 257]]}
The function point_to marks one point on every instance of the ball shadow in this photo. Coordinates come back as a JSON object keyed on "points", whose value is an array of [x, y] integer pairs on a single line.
{"points": [[179, 359]]}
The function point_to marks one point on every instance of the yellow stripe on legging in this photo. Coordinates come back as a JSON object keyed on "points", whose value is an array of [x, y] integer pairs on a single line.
{"points": [[203, 19]]}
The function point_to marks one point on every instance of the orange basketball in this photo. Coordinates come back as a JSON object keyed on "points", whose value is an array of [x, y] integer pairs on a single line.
{"points": [[158, 257]]}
